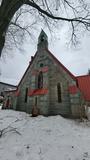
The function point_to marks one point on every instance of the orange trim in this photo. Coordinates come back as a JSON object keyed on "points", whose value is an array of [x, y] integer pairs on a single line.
{"points": [[44, 69], [57, 61], [73, 89], [37, 92], [17, 93]]}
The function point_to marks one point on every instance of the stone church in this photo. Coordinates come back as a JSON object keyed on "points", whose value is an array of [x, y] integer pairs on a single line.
{"points": [[49, 86]]}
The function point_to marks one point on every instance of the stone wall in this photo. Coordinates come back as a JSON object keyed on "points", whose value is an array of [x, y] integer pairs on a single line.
{"points": [[47, 103], [77, 105], [30, 82], [58, 75], [54, 97]]}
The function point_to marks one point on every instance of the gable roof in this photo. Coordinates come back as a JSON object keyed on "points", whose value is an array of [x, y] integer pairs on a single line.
{"points": [[55, 59], [7, 84], [27, 69], [61, 65], [84, 86], [83, 82]]}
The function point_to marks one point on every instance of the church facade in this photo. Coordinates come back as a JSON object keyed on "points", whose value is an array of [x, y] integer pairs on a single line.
{"points": [[47, 85]]}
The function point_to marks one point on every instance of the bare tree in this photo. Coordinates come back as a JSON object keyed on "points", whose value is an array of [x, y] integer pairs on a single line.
{"points": [[74, 12]]}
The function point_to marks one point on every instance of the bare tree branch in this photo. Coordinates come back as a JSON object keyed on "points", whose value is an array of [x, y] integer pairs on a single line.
{"points": [[75, 13]]}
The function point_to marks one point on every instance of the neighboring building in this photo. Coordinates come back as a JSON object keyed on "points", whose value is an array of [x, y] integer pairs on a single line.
{"points": [[6, 87], [49, 86], [6, 91], [84, 86]]}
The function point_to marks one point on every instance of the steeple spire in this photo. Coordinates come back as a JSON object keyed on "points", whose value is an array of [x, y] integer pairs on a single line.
{"points": [[42, 40]]}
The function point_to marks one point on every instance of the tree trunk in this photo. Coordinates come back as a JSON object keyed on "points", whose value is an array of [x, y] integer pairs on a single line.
{"points": [[2, 41], [7, 10]]}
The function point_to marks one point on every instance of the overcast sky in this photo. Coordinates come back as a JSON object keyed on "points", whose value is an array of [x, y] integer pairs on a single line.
{"points": [[76, 60]]}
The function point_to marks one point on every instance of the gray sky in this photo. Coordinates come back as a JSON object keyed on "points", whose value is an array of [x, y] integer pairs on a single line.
{"points": [[76, 60]]}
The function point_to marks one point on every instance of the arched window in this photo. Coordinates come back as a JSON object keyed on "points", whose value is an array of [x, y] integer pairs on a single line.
{"points": [[59, 92], [35, 101], [26, 95], [40, 80]]}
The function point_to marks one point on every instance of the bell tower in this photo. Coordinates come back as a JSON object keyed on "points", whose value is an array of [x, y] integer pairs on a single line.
{"points": [[42, 41]]}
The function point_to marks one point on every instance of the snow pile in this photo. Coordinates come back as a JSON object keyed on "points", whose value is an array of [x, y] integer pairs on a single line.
{"points": [[42, 138]]}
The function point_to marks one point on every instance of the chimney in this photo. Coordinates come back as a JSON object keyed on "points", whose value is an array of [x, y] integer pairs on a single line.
{"points": [[31, 59]]}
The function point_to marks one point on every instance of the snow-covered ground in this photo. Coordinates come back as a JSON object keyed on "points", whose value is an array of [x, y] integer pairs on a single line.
{"points": [[42, 138]]}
